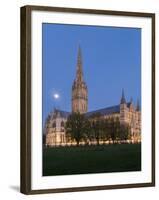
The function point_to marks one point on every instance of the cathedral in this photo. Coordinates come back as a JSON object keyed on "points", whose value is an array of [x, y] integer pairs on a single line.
{"points": [[127, 113]]}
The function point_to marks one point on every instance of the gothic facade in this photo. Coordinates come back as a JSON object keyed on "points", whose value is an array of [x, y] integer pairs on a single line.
{"points": [[126, 112], [79, 89]]}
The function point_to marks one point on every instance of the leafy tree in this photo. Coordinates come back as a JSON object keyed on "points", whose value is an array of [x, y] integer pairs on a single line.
{"points": [[124, 132], [107, 129], [87, 131], [75, 127], [117, 129], [44, 139], [80, 128], [96, 126], [112, 130], [103, 130]]}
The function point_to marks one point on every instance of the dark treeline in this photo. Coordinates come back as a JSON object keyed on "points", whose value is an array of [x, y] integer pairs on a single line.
{"points": [[95, 128]]}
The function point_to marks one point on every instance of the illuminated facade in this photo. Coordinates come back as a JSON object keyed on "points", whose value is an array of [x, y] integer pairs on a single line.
{"points": [[126, 112]]}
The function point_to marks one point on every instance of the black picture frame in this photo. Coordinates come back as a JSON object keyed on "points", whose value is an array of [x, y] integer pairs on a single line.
{"points": [[26, 107]]}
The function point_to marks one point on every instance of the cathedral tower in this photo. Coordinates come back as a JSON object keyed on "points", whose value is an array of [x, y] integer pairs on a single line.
{"points": [[123, 109], [79, 89]]}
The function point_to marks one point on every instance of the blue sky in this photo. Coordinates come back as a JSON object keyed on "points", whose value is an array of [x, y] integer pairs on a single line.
{"points": [[111, 61]]}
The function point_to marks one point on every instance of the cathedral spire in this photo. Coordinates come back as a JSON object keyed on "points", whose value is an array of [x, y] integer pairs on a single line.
{"points": [[79, 72], [123, 97], [138, 105], [79, 88]]}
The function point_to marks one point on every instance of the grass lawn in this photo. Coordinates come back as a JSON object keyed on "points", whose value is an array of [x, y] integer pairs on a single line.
{"points": [[91, 159]]}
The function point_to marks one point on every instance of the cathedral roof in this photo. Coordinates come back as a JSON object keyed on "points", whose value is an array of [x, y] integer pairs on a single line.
{"points": [[62, 113], [105, 111]]}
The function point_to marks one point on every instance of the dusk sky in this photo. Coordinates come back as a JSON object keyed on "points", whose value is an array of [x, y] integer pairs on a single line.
{"points": [[111, 61]]}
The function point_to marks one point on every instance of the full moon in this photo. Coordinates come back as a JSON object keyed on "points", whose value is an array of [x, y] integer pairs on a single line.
{"points": [[56, 96]]}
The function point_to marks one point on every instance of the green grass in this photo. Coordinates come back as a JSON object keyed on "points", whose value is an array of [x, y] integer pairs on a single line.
{"points": [[91, 159]]}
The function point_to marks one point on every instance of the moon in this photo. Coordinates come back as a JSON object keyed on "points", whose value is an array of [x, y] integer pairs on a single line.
{"points": [[56, 96]]}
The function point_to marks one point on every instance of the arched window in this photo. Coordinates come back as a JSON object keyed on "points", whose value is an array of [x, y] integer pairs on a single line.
{"points": [[62, 124], [54, 125]]}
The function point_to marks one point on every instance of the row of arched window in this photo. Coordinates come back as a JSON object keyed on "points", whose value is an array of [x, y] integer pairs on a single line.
{"points": [[54, 124], [81, 107]]}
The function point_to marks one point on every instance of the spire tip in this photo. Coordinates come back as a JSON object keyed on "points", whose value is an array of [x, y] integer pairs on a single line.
{"points": [[123, 97]]}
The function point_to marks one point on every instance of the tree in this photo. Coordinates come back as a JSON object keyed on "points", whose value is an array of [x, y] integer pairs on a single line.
{"points": [[76, 126], [107, 129], [103, 130], [96, 127], [117, 129], [112, 129], [124, 132], [44, 139], [87, 131]]}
